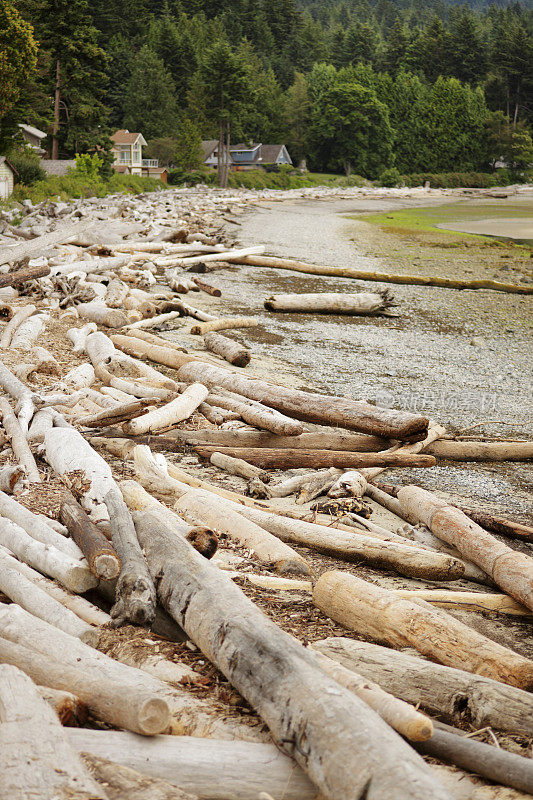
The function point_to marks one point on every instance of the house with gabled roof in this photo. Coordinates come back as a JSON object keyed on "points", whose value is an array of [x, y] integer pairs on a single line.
{"points": [[33, 137], [127, 151], [247, 156]]}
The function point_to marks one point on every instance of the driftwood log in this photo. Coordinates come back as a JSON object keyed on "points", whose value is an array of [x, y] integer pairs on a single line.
{"points": [[101, 556], [344, 747], [257, 414], [509, 569], [286, 458], [176, 411], [21, 276], [481, 451], [374, 611], [68, 707], [37, 760], [224, 323], [364, 303], [122, 782], [19, 443], [312, 407], [231, 351], [328, 440], [236, 466], [21, 315]]}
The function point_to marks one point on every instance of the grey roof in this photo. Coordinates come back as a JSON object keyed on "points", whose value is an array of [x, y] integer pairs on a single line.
{"points": [[52, 167], [271, 152], [208, 146], [31, 130]]}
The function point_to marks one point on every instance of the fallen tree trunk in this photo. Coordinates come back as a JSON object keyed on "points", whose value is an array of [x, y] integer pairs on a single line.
{"points": [[469, 601], [328, 440], [167, 355], [236, 466], [224, 323], [383, 277], [20, 276], [221, 255], [40, 244], [376, 612], [209, 768], [481, 451], [19, 443], [330, 732], [286, 458], [312, 407], [402, 558], [171, 414], [101, 556], [97, 311], [37, 760], [364, 303], [511, 570], [231, 351], [122, 782], [257, 414], [458, 696], [28, 332]]}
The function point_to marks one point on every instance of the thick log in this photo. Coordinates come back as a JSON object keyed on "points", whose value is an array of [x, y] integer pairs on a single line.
{"points": [[40, 244], [286, 458], [122, 782], [328, 440], [167, 355], [171, 414], [257, 414], [294, 484], [435, 431], [37, 760], [217, 416], [209, 768], [19, 444], [509, 569], [421, 535], [236, 466], [71, 573], [486, 760], [377, 612], [350, 484], [481, 451], [364, 303], [117, 291], [317, 484], [135, 590], [330, 732], [224, 323], [69, 708], [22, 314], [397, 713], [469, 601], [402, 558], [312, 407], [28, 332], [20, 276], [382, 277], [101, 556], [443, 691], [231, 351], [97, 311]]}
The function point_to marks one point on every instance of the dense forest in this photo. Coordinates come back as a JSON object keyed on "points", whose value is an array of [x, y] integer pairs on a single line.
{"points": [[349, 85]]}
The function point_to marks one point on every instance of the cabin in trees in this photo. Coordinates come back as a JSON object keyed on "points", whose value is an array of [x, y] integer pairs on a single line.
{"points": [[33, 137], [127, 150], [7, 178], [247, 156]]}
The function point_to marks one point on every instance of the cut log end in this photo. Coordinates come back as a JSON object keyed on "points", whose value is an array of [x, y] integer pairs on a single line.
{"points": [[204, 540], [154, 716], [136, 601], [106, 566]]}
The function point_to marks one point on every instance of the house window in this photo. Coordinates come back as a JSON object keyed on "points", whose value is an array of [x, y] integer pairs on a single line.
{"points": [[125, 156], [136, 153]]}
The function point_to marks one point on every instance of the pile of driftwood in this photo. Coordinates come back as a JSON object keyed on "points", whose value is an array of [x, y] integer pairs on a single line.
{"points": [[107, 518]]}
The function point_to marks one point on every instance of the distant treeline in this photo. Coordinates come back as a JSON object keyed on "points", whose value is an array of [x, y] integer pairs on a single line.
{"points": [[362, 86]]}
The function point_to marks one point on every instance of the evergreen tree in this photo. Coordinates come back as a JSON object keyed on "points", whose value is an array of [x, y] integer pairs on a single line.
{"points": [[150, 98], [18, 55], [296, 116], [172, 41], [468, 55], [395, 48]]}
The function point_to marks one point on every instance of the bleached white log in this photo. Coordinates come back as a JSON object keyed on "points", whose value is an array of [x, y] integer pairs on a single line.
{"points": [[80, 377], [94, 265], [78, 336], [116, 293], [37, 760], [36, 527], [19, 444], [97, 311], [122, 782], [152, 322], [27, 334], [210, 768], [71, 573], [19, 392], [176, 411], [46, 363], [10, 476], [223, 255], [349, 484], [17, 319]]}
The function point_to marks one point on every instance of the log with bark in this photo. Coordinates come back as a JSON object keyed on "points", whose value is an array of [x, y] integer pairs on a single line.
{"points": [[231, 351], [167, 355], [382, 277], [447, 692], [171, 414], [363, 303], [224, 323], [37, 759], [327, 440], [345, 748], [101, 556], [257, 414], [21, 276], [69, 708], [206, 287], [114, 415], [509, 569], [481, 451], [286, 458], [376, 612], [312, 407]]}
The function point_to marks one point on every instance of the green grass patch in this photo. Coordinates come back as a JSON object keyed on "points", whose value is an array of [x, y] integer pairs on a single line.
{"points": [[259, 179]]}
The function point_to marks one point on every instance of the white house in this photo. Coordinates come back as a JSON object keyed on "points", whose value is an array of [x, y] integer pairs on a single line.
{"points": [[7, 178], [127, 150]]}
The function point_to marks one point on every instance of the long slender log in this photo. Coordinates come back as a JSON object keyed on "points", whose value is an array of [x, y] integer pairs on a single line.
{"points": [[222, 255], [122, 782], [20, 276], [209, 768], [328, 440], [511, 570], [369, 303], [257, 414], [402, 558], [382, 277], [330, 732], [18, 440], [481, 451], [377, 612], [40, 244], [176, 411], [166, 355], [312, 407], [486, 760], [101, 556], [454, 694], [37, 760], [231, 351], [286, 458], [71, 573], [21, 315], [224, 323]]}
